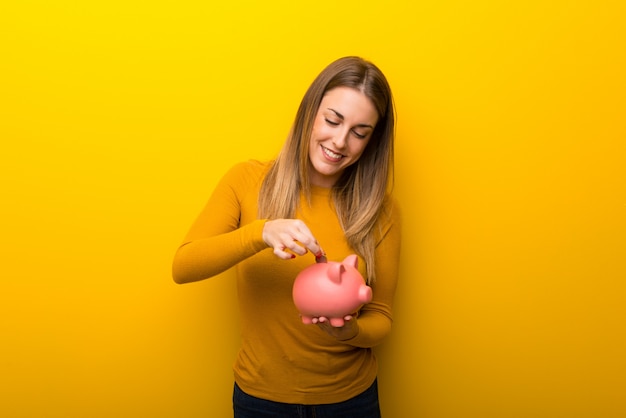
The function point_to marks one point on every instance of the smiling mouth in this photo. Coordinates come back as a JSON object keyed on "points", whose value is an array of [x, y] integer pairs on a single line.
{"points": [[332, 155]]}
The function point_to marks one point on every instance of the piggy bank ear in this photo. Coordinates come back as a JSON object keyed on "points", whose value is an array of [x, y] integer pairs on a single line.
{"points": [[334, 272], [352, 260]]}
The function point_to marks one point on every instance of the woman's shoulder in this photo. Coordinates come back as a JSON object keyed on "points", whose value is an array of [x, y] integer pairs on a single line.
{"points": [[390, 215], [391, 208], [250, 171], [251, 166]]}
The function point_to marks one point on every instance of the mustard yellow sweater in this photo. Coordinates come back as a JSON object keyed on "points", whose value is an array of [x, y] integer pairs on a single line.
{"points": [[281, 359]]}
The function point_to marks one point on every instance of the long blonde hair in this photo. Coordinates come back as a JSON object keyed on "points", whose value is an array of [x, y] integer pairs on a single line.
{"points": [[359, 194]]}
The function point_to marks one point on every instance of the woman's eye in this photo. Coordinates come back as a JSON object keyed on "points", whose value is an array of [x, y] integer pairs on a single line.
{"points": [[358, 135], [333, 123]]}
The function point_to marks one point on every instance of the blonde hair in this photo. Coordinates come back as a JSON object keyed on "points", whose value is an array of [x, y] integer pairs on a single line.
{"points": [[359, 194]]}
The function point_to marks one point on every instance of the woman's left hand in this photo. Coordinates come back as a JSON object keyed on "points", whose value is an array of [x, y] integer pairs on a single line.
{"points": [[349, 329]]}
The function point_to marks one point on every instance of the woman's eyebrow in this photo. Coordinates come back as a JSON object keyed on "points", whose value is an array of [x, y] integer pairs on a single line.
{"points": [[340, 116]]}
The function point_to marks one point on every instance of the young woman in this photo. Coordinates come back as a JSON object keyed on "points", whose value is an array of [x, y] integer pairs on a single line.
{"points": [[329, 187]]}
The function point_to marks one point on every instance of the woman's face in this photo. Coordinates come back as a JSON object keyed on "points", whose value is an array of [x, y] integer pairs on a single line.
{"points": [[342, 129]]}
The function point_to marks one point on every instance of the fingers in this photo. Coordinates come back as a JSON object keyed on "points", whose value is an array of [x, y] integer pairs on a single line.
{"points": [[286, 253], [322, 320], [303, 235], [290, 237]]}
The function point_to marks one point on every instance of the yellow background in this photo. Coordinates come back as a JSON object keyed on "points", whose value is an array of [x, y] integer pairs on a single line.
{"points": [[117, 118]]}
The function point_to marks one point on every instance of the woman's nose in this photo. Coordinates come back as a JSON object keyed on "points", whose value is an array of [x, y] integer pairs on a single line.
{"points": [[341, 139]]}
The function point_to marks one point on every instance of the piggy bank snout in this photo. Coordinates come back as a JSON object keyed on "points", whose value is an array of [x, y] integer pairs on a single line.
{"points": [[365, 294]]}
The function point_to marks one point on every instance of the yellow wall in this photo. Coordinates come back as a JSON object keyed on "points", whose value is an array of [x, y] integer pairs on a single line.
{"points": [[118, 117]]}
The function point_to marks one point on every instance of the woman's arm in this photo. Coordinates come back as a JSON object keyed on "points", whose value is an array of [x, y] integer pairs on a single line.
{"points": [[375, 319], [216, 241], [206, 257]]}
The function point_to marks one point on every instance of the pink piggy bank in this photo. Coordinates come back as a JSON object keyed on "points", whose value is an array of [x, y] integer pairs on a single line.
{"points": [[330, 290]]}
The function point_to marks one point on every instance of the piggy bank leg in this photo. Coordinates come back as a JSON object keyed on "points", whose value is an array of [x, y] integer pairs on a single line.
{"points": [[337, 322]]}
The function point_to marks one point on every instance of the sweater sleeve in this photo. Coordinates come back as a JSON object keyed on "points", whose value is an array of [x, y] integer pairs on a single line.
{"points": [[217, 241], [375, 318]]}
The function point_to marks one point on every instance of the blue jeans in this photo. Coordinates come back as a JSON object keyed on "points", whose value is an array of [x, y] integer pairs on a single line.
{"points": [[364, 405]]}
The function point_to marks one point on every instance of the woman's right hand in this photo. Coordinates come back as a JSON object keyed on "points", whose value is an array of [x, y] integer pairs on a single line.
{"points": [[290, 236]]}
